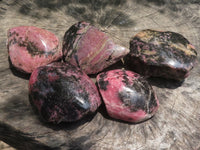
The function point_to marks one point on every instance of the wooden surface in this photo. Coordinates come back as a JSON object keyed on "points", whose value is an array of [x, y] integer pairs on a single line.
{"points": [[4, 146], [177, 122]]}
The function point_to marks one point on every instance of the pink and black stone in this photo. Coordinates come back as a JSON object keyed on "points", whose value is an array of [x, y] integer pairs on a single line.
{"points": [[127, 95], [61, 92], [30, 47], [161, 54], [90, 49]]}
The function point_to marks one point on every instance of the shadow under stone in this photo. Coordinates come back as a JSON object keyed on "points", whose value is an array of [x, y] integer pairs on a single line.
{"points": [[17, 72], [67, 126], [165, 83]]}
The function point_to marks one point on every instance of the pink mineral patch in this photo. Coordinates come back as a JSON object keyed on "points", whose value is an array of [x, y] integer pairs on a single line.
{"points": [[90, 49], [61, 92], [127, 95], [30, 47]]}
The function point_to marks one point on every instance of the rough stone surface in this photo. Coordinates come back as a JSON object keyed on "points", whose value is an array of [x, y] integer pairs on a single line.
{"points": [[161, 54], [30, 47], [62, 92], [90, 49], [127, 95]]}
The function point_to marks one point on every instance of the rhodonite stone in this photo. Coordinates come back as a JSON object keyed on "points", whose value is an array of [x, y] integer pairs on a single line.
{"points": [[90, 49], [127, 95], [30, 47], [161, 54], [62, 92]]}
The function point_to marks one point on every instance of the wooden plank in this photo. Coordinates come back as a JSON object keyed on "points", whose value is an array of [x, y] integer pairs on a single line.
{"points": [[175, 126]]}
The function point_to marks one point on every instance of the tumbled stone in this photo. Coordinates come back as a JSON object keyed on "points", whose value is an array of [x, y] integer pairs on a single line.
{"points": [[127, 95], [61, 92], [161, 54], [30, 47], [90, 49]]}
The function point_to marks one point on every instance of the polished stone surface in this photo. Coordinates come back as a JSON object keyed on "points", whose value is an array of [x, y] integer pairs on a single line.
{"points": [[30, 47], [176, 124], [90, 49], [61, 92], [127, 95], [161, 54]]}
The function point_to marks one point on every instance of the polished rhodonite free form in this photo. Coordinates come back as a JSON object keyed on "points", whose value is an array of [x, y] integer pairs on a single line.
{"points": [[30, 47], [62, 92], [127, 96], [161, 54], [90, 49]]}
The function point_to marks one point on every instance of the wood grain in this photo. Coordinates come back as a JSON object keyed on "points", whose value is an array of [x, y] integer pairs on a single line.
{"points": [[4, 146], [175, 126]]}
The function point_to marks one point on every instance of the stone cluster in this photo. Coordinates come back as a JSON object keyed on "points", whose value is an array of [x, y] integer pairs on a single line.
{"points": [[60, 89]]}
